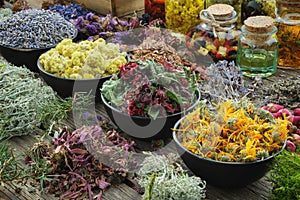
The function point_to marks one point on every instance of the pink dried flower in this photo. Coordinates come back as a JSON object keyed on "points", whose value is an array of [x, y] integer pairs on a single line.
{"points": [[291, 146]]}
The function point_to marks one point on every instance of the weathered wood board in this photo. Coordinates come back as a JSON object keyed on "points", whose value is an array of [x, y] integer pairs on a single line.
{"points": [[118, 8]]}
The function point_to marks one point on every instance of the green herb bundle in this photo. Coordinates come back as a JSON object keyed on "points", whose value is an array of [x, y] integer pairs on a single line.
{"points": [[285, 176], [26, 102], [163, 178]]}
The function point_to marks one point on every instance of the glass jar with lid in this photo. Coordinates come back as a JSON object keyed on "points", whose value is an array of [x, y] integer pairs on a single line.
{"points": [[288, 24], [236, 4], [181, 15], [155, 9], [217, 35], [258, 47], [258, 7]]}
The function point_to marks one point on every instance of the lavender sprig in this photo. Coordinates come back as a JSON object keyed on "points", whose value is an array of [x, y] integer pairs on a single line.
{"points": [[225, 82]]}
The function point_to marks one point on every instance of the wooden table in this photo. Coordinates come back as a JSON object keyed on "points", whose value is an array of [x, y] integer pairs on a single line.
{"points": [[256, 191]]}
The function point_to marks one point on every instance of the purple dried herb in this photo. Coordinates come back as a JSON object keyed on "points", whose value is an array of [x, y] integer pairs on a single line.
{"points": [[77, 166], [224, 82], [93, 26]]}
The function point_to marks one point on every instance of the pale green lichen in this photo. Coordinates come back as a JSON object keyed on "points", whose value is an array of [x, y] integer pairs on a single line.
{"points": [[4, 13], [26, 102], [163, 178]]}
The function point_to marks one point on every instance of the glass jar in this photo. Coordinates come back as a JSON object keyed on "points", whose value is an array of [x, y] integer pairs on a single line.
{"points": [[155, 9], [237, 5], [258, 7], [216, 36], [258, 47], [288, 24], [181, 15]]}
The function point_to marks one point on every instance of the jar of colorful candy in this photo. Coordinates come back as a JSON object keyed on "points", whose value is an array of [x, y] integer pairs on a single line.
{"points": [[217, 35]]}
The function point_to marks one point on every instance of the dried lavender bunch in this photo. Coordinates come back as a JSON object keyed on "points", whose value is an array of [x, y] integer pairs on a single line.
{"points": [[283, 92], [163, 178], [225, 82]]}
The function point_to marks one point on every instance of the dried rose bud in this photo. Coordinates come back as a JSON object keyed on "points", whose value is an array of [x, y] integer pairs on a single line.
{"points": [[296, 111], [290, 146], [274, 108], [277, 115], [285, 112], [296, 120]]}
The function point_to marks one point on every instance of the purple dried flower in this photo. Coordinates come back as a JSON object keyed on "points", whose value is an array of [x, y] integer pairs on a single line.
{"points": [[97, 25], [90, 38], [123, 23], [89, 16], [79, 23], [92, 30], [113, 22], [109, 28]]}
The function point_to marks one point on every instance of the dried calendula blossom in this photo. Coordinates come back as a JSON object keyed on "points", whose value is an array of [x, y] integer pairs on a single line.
{"points": [[235, 131]]}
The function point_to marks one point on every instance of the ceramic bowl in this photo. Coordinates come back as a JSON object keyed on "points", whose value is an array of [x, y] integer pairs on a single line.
{"points": [[145, 128], [67, 87], [223, 174], [20, 57]]}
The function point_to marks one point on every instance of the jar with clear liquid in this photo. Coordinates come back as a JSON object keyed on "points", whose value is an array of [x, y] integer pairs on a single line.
{"points": [[288, 24], [258, 47]]}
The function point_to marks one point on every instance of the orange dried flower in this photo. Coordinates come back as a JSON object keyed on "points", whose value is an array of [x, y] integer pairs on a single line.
{"points": [[235, 131]]}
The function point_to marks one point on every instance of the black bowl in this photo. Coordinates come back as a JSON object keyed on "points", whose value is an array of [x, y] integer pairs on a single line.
{"points": [[67, 87], [26, 56], [20, 57], [145, 128], [223, 174]]}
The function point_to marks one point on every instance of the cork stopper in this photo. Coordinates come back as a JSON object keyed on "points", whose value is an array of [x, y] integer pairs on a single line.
{"points": [[220, 10], [259, 24]]}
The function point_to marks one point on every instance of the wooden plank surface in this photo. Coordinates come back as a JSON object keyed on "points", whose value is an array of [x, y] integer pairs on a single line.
{"points": [[256, 191]]}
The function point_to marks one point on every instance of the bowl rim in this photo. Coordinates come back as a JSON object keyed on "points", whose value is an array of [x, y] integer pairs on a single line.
{"points": [[175, 138], [42, 70], [104, 100]]}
